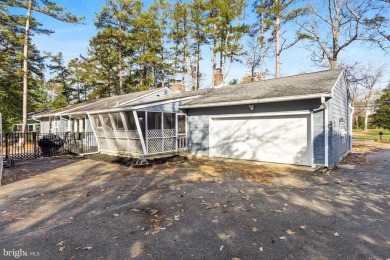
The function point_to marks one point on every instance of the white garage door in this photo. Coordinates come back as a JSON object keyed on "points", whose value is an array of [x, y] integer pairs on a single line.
{"points": [[281, 139]]}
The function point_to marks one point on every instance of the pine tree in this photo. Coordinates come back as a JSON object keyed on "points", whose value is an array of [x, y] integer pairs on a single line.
{"points": [[11, 73], [274, 14], [381, 117], [225, 29], [198, 35], [43, 7]]}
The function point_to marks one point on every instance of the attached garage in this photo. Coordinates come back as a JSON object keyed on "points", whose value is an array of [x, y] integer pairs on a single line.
{"points": [[303, 120], [277, 138]]}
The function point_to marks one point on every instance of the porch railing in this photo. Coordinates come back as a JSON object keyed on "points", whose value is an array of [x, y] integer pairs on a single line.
{"points": [[26, 145]]}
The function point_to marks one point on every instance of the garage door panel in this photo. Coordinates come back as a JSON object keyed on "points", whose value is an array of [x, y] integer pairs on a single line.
{"points": [[277, 139]]}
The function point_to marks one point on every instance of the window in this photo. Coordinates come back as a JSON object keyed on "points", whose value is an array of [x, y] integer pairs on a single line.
{"points": [[118, 121], [53, 123], [169, 121], [130, 120], [18, 128], [30, 128], [82, 125], [181, 124]]}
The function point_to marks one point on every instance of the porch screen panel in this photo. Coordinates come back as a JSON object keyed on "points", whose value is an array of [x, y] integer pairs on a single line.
{"points": [[100, 132], [181, 132], [120, 133], [142, 121], [169, 132], [111, 139], [155, 133]]}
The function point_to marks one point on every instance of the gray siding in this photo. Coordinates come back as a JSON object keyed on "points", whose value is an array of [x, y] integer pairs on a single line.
{"points": [[158, 94], [172, 107], [319, 137], [339, 144], [45, 125], [198, 119], [62, 125]]}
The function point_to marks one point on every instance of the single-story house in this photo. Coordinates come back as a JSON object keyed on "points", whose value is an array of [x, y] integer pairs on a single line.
{"points": [[303, 119]]}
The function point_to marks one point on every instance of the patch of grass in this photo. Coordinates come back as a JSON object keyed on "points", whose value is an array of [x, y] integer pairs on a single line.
{"points": [[370, 134]]}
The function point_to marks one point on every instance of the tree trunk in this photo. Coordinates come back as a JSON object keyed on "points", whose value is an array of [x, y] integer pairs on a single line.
{"points": [[333, 63], [277, 45], [197, 65], [162, 66], [214, 55], [25, 65], [120, 72], [366, 120]]}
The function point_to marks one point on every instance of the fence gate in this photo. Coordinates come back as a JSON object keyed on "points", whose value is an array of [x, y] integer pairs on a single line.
{"points": [[27, 145]]}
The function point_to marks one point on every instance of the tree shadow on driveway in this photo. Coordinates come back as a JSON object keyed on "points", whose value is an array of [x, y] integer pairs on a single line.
{"points": [[201, 209]]}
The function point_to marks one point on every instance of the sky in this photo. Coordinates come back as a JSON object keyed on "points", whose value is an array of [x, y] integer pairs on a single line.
{"points": [[73, 40]]}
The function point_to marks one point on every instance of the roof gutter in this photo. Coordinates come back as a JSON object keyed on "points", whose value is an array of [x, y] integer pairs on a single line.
{"points": [[109, 110], [256, 101]]}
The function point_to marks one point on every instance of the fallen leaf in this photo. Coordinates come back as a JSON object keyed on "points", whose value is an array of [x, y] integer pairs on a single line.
{"points": [[87, 248], [61, 243], [62, 248], [221, 248], [336, 234], [116, 215], [319, 232], [134, 210], [153, 211], [177, 217], [303, 227], [290, 232], [282, 238], [254, 229], [261, 249]]}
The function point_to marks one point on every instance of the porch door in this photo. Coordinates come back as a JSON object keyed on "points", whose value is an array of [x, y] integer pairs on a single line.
{"points": [[181, 132]]}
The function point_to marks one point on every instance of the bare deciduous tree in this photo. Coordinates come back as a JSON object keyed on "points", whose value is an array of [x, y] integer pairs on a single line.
{"points": [[334, 25], [364, 87]]}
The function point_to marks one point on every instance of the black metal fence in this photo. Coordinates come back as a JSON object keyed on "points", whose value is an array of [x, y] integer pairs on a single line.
{"points": [[26, 145]]}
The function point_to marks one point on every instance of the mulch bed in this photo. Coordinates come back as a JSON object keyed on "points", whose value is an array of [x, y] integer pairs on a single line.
{"points": [[355, 159], [127, 161]]}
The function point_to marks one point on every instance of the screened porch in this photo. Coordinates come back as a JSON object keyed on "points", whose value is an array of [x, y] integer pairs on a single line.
{"points": [[140, 132]]}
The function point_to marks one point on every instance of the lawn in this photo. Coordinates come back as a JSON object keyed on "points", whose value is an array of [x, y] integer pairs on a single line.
{"points": [[371, 134]]}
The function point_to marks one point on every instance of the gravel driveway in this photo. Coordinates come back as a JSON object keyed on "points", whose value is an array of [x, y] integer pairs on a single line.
{"points": [[74, 208]]}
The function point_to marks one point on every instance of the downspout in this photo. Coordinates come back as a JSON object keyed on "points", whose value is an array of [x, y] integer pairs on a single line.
{"points": [[326, 129], [352, 111]]}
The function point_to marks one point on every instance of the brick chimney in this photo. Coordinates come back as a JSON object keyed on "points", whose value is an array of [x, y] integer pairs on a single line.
{"points": [[218, 78], [178, 87]]}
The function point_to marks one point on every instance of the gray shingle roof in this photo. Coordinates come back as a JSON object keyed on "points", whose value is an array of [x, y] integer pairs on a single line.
{"points": [[299, 85], [95, 104]]}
